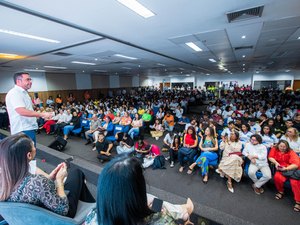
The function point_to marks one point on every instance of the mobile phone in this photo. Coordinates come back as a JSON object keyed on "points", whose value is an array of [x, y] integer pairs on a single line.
{"points": [[157, 205], [68, 162]]}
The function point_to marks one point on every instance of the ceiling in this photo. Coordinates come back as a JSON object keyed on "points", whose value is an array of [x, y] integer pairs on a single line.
{"points": [[94, 31]]}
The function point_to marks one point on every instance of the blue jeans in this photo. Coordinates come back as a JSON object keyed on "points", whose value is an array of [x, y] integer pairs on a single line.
{"points": [[68, 129], [31, 134]]}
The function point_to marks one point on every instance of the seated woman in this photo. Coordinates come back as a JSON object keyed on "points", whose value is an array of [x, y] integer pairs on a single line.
{"points": [[157, 129], [132, 205], [36, 187], [189, 149], [106, 127], [257, 154], [125, 121], [208, 145], [173, 150], [74, 124], [285, 159], [126, 145], [245, 133], [231, 162], [268, 138], [117, 118], [292, 137], [136, 123]]}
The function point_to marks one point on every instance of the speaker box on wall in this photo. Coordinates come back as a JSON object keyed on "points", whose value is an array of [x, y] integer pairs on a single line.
{"points": [[58, 144]]}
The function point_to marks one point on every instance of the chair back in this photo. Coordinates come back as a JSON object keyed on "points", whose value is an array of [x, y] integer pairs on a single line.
{"points": [[23, 213]]}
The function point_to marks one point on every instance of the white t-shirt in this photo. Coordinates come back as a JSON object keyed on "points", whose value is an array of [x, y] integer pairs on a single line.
{"points": [[18, 97]]}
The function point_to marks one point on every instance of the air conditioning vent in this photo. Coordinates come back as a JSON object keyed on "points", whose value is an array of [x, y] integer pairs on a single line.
{"points": [[62, 54], [245, 14], [243, 48]]}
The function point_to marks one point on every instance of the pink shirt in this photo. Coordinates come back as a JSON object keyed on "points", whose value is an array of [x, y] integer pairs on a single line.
{"points": [[155, 150]]}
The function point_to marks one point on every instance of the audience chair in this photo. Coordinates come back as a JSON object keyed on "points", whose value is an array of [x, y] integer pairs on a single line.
{"points": [[23, 213]]}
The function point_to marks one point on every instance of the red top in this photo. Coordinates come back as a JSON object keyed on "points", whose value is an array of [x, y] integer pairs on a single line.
{"points": [[285, 158], [189, 140], [155, 150]]}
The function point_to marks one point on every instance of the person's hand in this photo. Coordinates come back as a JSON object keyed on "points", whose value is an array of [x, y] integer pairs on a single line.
{"points": [[46, 115], [253, 160], [61, 173], [52, 175]]}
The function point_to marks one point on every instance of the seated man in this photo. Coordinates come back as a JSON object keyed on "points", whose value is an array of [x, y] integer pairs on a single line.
{"points": [[103, 148], [95, 123], [258, 156]]}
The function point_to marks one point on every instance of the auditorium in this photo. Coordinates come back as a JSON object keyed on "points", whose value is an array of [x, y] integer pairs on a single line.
{"points": [[150, 112]]}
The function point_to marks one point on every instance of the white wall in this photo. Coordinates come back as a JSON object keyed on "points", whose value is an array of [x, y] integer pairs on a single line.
{"points": [[135, 81], [273, 76], [83, 81], [39, 81], [114, 81], [242, 79], [296, 75]]}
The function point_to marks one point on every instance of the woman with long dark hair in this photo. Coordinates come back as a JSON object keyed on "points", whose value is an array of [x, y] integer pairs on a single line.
{"points": [[209, 146], [122, 198], [20, 182]]}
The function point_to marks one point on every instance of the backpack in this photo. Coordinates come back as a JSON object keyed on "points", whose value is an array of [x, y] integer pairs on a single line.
{"points": [[159, 162]]}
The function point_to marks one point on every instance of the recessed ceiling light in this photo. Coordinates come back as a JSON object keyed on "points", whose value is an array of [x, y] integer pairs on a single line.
{"points": [[207, 74], [125, 56], [10, 56], [212, 60], [160, 64], [244, 36], [83, 71], [225, 69], [194, 46], [139, 66], [96, 59], [34, 70], [257, 71], [137, 7], [188, 75], [56, 67], [298, 38], [244, 56], [84, 63], [287, 71], [244, 64], [181, 68], [126, 68], [28, 36]]}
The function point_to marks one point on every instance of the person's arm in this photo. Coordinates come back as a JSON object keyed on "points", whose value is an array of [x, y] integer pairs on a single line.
{"points": [[195, 143], [50, 197], [29, 113]]}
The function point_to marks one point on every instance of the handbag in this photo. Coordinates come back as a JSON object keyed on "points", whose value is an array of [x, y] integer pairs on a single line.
{"points": [[185, 150], [294, 174]]}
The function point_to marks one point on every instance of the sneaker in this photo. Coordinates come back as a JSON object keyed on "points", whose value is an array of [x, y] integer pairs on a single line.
{"points": [[156, 138], [167, 158], [172, 164], [94, 149]]}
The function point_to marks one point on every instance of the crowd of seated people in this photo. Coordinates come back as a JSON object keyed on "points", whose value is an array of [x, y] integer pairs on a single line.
{"points": [[237, 129]]}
